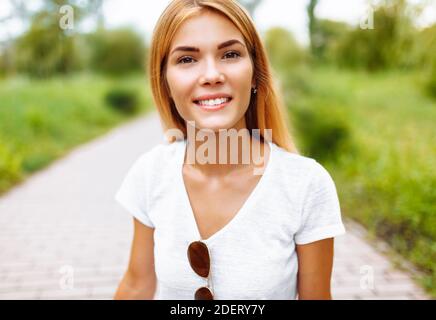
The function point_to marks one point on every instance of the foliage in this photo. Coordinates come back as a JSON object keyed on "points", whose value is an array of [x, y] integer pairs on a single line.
{"points": [[324, 131], [117, 51], [425, 55], [386, 176], [312, 26], [431, 79], [45, 49], [387, 45], [328, 36], [123, 100], [424, 46], [283, 50], [10, 163], [41, 119]]}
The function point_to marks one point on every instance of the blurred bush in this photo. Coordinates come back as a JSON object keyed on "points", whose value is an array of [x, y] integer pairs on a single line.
{"points": [[10, 167], [431, 79], [323, 131], [379, 131], [42, 119], [117, 51], [4, 63], [123, 100]]}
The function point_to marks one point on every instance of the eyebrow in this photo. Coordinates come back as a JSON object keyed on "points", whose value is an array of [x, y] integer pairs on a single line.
{"points": [[220, 46]]}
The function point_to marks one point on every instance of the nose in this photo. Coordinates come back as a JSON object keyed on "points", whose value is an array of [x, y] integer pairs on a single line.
{"points": [[211, 74]]}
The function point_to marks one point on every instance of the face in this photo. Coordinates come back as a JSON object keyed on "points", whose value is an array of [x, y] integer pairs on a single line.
{"points": [[205, 66]]}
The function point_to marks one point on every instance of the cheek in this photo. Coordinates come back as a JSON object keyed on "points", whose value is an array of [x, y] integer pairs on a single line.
{"points": [[242, 76], [178, 84], [241, 80], [172, 84]]}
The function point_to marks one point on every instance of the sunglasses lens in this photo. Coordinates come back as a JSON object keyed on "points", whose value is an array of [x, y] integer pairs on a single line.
{"points": [[203, 293], [199, 259]]}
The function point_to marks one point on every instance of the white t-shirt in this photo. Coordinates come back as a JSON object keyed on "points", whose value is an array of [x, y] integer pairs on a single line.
{"points": [[253, 256]]}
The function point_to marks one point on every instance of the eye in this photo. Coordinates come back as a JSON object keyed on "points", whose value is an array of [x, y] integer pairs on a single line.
{"points": [[184, 60], [232, 54], [188, 59]]}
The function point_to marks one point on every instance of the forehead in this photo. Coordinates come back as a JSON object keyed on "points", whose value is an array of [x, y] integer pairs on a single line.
{"points": [[206, 29]]}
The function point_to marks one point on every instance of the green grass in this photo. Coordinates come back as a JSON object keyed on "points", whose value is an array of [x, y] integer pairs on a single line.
{"points": [[41, 120], [387, 179]]}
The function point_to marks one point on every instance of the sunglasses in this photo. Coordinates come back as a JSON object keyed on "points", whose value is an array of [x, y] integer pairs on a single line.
{"points": [[199, 259]]}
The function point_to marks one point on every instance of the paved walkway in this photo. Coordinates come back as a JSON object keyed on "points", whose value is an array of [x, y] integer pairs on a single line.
{"points": [[62, 236]]}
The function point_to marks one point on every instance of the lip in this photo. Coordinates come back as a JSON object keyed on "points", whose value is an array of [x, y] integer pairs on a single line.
{"points": [[213, 108], [213, 96]]}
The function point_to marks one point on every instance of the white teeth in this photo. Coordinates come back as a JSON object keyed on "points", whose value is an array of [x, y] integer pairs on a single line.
{"points": [[213, 102]]}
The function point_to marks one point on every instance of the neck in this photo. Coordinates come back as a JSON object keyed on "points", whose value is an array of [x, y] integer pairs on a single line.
{"points": [[220, 153]]}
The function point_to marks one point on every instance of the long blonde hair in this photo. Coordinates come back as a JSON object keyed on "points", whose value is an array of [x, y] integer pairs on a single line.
{"points": [[266, 109]]}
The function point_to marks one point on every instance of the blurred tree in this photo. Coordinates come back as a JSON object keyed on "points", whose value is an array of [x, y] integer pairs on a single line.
{"points": [[431, 78], [46, 47], [6, 57], [288, 60], [313, 27], [283, 49], [425, 52], [425, 46], [387, 45], [18, 10], [117, 51], [329, 34]]}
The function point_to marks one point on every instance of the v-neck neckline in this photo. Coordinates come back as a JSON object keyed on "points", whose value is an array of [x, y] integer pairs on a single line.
{"points": [[243, 210]]}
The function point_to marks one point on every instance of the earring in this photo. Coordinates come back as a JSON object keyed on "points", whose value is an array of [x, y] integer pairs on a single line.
{"points": [[254, 90]]}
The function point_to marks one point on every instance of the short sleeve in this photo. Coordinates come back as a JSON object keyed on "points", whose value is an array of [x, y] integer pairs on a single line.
{"points": [[132, 194], [321, 213]]}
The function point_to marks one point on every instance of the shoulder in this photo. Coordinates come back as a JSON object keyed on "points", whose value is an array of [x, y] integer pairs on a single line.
{"points": [[300, 173], [154, 163], [296, 164], [159, 155]]}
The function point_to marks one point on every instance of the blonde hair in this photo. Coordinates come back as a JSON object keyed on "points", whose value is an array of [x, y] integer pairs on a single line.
{"points": [[266, 109]]}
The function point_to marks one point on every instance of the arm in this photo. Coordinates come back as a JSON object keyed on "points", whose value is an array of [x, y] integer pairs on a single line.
{"points": [[139, 281], [315, 263]]}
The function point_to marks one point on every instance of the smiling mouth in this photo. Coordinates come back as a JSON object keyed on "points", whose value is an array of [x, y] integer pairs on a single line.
{"points": [[213, 104]]}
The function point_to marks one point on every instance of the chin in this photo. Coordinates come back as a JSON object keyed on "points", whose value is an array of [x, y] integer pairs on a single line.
{"points": [[216, 122], [215, 126]]}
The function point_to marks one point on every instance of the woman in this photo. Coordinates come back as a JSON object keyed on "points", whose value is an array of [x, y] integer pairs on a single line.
{"points": [[261, 228]]}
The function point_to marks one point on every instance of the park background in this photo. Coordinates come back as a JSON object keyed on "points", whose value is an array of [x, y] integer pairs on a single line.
{"points": [[360, 90]]}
